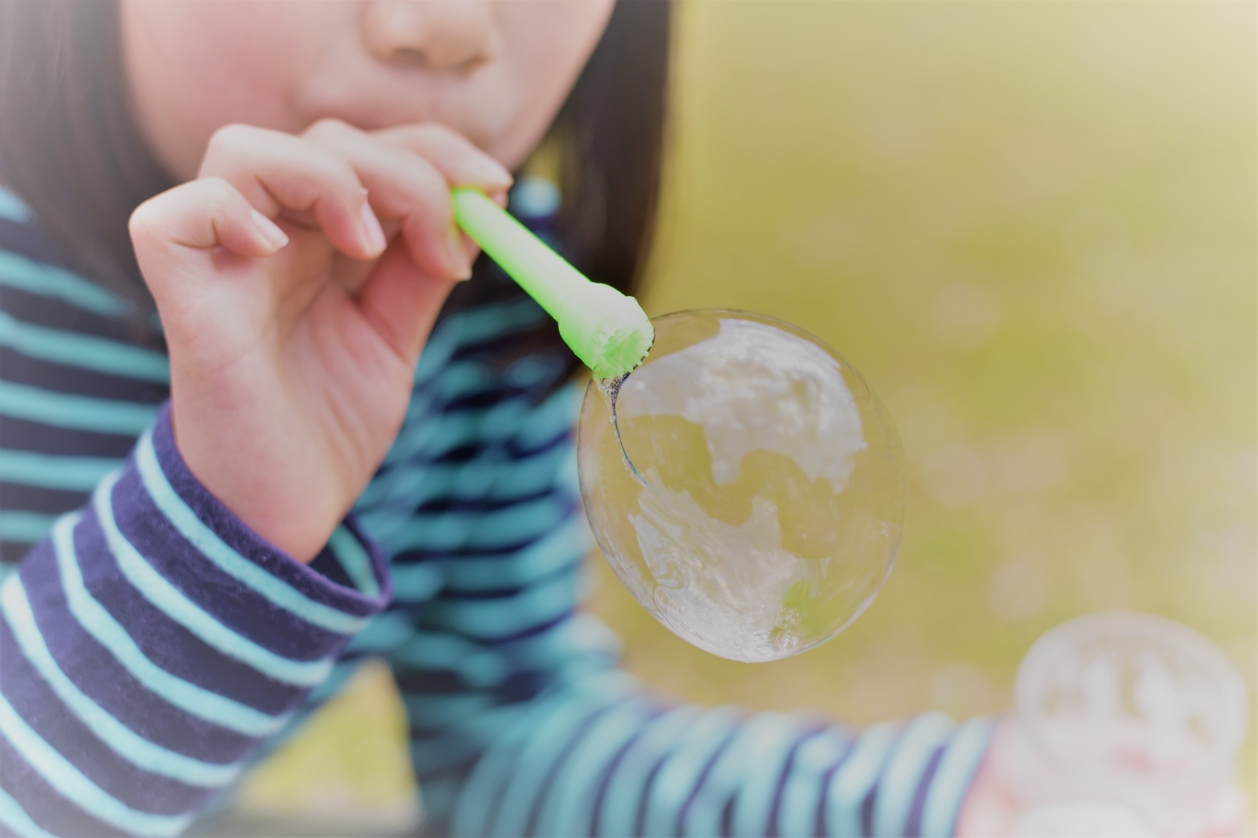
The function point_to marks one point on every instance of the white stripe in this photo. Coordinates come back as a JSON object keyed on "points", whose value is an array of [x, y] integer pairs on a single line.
{"points": [[15, 818], [172, 602], [63, 776], [107, 631], [121, 739]]}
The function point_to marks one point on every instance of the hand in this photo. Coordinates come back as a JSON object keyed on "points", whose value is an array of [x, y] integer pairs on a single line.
{"points": [[297, 280], [995, 802]]}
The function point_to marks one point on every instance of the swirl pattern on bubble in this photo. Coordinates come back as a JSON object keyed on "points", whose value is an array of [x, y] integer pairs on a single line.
{"points": [[744, 483]]}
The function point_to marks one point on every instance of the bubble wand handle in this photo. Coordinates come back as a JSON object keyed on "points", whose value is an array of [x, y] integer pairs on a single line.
{"points": [[606, 329]]}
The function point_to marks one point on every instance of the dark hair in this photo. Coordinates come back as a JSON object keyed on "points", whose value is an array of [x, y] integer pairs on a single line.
{"points": [[70, 148]]}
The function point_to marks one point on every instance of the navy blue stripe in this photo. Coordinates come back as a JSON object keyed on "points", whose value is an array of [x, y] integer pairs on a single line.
{"points": [[40, 708], [544, 790], [63, 378], [787, 766], [19, 496], [236, 606], [23, 435], [165, 642], [12, 552], [99, 675], [913, 827], [52, 313], [43, 804]]}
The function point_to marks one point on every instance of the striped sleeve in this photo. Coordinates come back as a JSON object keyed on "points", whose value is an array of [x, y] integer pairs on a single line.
{"points": [[150, 643], [520, 723], [148, 640]]}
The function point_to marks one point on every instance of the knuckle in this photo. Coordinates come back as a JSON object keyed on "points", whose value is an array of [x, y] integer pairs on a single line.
{"points": [[231, 136], [329, 128]]}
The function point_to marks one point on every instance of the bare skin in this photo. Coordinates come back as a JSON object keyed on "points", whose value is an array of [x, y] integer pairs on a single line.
{"points": [[300, 264], [299, 268]]}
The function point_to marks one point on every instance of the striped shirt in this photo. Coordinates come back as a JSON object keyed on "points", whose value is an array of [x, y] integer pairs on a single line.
{"points": [[152, 647]]}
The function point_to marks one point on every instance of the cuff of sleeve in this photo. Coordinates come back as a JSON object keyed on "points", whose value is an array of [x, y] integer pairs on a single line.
{"points": [[249, 561]]}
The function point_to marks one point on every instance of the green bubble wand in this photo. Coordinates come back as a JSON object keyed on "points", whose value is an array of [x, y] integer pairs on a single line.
{"points": [[607, 330]]}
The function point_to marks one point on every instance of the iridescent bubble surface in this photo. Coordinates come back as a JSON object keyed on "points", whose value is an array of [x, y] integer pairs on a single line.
{"points": [[750, 490]]}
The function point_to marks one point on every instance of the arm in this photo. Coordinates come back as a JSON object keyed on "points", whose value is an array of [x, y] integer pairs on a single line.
{"points": [[161, 632], [149, 644], [520, 722]]}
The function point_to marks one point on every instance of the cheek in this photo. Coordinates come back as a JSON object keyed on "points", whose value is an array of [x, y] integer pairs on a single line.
{"points": [[546, 43], [194, 67]]}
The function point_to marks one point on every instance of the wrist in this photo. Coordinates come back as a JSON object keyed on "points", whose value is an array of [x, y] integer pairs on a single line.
{"points": [[244, 493]]}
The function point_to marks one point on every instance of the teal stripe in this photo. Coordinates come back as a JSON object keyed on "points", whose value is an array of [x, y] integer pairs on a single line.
{"points": [[903, 773], [489, 619], [568, 543], [476, 804], [417, 583], [546, 743], [432, 710], [801, 796], [619, 812], [385, 632], [459, 743], [12, 208], [952, 778], [681, 769], [569, 807], [757, 735], [207, 542], [63, 776], [54, 472], [38, 278], [107, 631], [14, 817], [855, 777], [120, 738], [353, 559], [758, 784], [172, 602], [83, 351], [479, 667], [24, 526], [77, 412], [483, 530], [553, 417]]}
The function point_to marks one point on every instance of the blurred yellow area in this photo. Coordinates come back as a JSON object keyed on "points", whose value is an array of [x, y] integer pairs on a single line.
{"points": [[1032, 227]]}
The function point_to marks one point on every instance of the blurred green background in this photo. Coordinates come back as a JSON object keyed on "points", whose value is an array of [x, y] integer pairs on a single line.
{"points": [[1032, 226]]}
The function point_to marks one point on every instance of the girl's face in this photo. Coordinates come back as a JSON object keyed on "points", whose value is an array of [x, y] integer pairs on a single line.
{"points": [[496, 71]]}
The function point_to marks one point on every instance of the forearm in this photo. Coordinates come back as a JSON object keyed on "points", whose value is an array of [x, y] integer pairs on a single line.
{"points": [[148, 645]]}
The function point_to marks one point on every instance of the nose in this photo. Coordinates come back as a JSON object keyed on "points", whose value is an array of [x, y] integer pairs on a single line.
{"points": [[440, 35]]}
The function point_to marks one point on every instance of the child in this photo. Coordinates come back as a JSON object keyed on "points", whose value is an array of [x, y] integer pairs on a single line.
{"points": [[178, 604]]}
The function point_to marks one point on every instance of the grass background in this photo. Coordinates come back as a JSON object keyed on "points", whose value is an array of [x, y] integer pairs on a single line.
{"points": [[1032, 226]]}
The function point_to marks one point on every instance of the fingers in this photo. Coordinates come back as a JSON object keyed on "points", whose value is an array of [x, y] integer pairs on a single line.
{"points": [[198, 215], [283, 175], [461, 162], [409, 180]]}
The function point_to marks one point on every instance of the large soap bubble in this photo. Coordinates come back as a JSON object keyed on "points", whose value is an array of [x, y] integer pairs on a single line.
{"points": [[747, 486]]}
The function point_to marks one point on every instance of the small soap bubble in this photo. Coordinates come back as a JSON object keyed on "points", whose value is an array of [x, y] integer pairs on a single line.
{"points": [[744, 482]]}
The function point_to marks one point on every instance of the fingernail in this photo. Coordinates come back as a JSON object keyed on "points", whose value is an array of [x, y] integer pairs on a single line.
{"points": [[269, 230], [373, 234], [457, 256]]}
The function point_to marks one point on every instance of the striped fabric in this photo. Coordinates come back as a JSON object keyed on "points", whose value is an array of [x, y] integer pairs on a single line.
{"points": [[152, 647]]}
